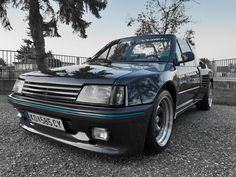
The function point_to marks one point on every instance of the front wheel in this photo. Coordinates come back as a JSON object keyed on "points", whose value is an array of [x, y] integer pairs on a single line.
{"points": [[160, 126], [206, 102]]}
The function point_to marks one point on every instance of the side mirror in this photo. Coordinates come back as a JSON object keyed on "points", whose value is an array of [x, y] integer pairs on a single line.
{"points": [[188, 56]]}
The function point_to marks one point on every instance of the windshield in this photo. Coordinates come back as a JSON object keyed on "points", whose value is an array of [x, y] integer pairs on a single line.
{"points": [[135, 50]]}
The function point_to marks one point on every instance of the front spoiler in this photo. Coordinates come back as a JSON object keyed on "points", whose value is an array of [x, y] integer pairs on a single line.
{"points": [[95, 148], [127, 126]]}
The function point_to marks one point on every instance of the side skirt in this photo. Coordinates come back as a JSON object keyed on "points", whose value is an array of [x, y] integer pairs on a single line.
{"points": [[185, 106]]}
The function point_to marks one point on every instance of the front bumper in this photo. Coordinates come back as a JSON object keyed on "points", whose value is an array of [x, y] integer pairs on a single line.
{"points": [[127, 126]]}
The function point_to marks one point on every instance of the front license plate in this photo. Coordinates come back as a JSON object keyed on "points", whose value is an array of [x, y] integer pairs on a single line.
{"points": [[46, 121]]}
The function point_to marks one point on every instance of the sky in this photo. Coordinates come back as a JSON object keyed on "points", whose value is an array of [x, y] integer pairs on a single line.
{"points": [[214, 22]]}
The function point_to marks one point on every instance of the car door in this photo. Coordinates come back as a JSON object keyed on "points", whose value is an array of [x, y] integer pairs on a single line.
{"points": [[189, 76]]}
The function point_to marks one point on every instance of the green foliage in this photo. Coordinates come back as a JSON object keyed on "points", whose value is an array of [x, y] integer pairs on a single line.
{"points": [[2, 62], [189, 36], [43, 20], [69, 12], [3, 14], [161, 17], [72, 11], [27, 54]]}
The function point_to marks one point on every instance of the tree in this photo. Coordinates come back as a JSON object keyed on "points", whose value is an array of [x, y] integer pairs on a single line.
{"points": [[2, 62], [27, 53], [43, 18], [189, 36], [161, 17]]}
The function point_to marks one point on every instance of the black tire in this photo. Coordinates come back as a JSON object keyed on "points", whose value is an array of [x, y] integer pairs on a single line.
{"points": [[206, 102], [160, 125]]}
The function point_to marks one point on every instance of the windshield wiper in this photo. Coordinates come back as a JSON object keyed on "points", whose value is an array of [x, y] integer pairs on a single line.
{"points": [[144, 61], [99, 61]]}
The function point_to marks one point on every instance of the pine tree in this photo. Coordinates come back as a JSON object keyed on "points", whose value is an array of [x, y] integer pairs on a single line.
{"points": [[43, 18]]}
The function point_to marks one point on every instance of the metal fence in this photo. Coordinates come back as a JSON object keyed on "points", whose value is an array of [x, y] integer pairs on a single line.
{"points": [[224, 70], [13, 63]]}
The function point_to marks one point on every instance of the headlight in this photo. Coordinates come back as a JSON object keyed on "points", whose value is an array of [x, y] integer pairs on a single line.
{"points": [[118, 96], [101, 94], [18, 86]]}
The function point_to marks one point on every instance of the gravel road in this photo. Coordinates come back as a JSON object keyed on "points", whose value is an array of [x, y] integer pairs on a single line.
{"points": [[203, 144]]}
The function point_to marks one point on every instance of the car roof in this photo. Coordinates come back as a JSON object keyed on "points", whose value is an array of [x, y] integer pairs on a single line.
{"points": [[149, 36]]}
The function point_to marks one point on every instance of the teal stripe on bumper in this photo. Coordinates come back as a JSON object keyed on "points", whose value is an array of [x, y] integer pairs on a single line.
{"points": [[77, 113]]}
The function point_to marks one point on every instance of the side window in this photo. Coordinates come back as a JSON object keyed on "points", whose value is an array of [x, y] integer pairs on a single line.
{"points": [[118, 51], [178, 54], [104, 54], [186, 48]]}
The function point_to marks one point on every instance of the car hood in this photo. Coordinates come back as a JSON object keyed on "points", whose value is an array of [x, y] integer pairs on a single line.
{"points": [[93, 74]]}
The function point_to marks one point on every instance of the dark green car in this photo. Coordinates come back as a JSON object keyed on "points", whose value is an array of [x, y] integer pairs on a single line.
{"points": [[123, 99]]}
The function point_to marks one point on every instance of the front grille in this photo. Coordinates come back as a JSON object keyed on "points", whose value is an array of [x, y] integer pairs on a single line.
{"points": [[205, 81], [48, 91]]}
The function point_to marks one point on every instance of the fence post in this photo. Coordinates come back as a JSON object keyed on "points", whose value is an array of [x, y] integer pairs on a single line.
{"points": [[213, 64]]}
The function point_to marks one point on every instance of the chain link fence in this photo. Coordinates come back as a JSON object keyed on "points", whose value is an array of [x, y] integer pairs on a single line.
{"points": [[14, 63]]}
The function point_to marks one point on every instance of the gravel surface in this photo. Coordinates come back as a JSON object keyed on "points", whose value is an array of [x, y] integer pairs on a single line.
{"points": [[203, 144]]}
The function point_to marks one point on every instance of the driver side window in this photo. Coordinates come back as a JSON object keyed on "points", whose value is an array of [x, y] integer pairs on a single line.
{"points": [[104, 54], [118, 51], [178, 54], [185, 48]]}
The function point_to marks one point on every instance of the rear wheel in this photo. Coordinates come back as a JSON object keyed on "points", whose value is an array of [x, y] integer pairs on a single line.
{"points": [[160, 126], [206, 102]]}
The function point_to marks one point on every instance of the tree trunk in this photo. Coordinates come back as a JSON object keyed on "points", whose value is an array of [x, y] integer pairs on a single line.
{"points": [[36, 30]]}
